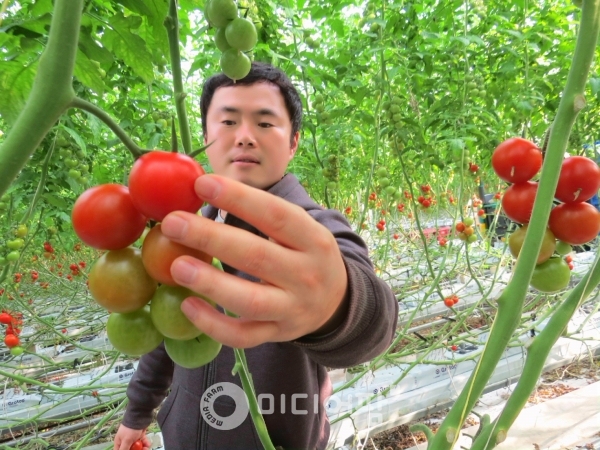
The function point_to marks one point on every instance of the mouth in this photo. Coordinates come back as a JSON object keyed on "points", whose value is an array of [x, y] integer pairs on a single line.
{"points": [[245, 160]]}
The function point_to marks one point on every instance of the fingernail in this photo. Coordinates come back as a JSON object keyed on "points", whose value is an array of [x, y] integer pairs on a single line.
{"points": [[173, 226], [207, 188], [183, 271]]}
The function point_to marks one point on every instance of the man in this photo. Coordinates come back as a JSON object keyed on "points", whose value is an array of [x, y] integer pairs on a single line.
{"points": [[297, 276]]}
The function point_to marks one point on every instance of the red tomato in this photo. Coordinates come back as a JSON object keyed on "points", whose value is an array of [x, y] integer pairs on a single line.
{"points": [[516, 160], [449, 302], [6, 318], [159, 252], [104, 217], [11, 340], [575, 223], [163, 182], [137, 445], [517, 201], [579, 180]]}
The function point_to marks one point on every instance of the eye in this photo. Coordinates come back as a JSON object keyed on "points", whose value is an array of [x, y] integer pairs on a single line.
{"points": [[228, 122], [265, 125]]}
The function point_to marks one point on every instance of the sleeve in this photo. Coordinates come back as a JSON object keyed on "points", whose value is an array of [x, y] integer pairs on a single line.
{"points": [[148, 387], [370, 324]]}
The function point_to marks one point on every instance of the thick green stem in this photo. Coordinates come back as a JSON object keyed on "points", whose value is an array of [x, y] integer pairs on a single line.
{"points": [[50, 95], [510, 303], [104, 117], [172, 26], [537, 353]]}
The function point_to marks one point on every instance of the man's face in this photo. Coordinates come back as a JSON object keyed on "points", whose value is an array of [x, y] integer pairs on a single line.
{"points": [[251, 129]]}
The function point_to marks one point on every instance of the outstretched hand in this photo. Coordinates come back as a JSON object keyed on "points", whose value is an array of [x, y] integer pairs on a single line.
{"points": [[303, 277]]}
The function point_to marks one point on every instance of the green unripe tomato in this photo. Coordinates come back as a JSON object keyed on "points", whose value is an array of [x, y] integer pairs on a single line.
{"points": [[221, 39], [391, 191], [562, 248], [21, 231], [552, 275], [384, 182], [472, 238], [319, 98], [381, 172], [241, 34], [15, 244], [17, 351], [193, 353], [74, 173], [13, 256], [468, 221], [235, 64], [221, 12], [515, 242], [3, 261]]}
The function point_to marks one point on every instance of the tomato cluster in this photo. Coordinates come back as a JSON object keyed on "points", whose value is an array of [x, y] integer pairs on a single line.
{"points": [[451, 300], [13, 323], [125, 279], [572, 222], [465, 230], [234, 36]]}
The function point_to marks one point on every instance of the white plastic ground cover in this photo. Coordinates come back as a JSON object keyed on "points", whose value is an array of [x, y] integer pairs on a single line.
{"points": [[43, 405], [429, 385], [33, 363]]}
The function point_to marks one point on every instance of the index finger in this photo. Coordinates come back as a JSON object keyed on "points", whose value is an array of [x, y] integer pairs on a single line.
{"points": [[286, 223]]}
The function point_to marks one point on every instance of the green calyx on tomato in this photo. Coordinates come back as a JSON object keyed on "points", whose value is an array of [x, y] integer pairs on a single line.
{"points": [[119, 282], [551, 276], [133, 333], [192, 353], [515, 242]]}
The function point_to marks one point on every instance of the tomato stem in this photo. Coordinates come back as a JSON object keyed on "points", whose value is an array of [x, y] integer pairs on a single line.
{"points": [[537, 353], [172, 26], [51, 93], [510, 302], [104, 117]]}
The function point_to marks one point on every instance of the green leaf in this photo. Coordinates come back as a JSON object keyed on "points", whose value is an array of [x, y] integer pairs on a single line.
{"points": [[56, 202], [130, 48], [88, 74], [16, 80]]}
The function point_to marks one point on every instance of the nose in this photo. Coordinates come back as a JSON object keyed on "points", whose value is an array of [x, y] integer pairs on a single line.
{"points": [[245, 137]]}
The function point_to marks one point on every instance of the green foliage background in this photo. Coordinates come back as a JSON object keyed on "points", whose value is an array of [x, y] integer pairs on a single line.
{"points": [[467, 75]]}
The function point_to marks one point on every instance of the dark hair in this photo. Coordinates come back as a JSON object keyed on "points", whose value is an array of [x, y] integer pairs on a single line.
{"points": [[259, 73]]}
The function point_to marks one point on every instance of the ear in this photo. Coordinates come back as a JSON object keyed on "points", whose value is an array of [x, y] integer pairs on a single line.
{"points": [[294, 146]]}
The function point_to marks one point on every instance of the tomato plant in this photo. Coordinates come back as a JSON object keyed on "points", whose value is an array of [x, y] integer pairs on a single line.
{"points": [[159, 252], [579, 180], [166, 314], [551, 276], [119, 282], [133, 333], [104, 217], [163, 182], [516, 160], [517, 201], [192, 353], [575, 223], [515, 242]]}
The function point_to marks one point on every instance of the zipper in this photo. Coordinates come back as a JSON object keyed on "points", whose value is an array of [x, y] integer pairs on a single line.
{"points": [[209, 380]]}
